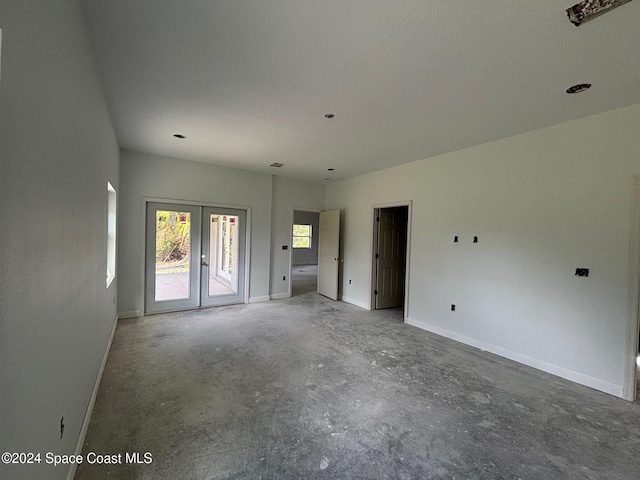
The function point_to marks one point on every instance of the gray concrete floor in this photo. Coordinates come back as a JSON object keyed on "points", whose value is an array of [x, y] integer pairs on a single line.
{"points": [[304, 279], [308, 388]]}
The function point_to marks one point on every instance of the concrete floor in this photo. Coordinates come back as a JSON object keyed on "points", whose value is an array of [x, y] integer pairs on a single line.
{"points": [[307, 388], [304, 279]]}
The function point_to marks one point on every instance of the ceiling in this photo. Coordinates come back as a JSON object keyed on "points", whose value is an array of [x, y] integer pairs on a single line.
{"points": [[248, 82]]}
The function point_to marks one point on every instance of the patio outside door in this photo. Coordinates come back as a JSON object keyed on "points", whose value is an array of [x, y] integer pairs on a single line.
{"points": [[195, 257]]}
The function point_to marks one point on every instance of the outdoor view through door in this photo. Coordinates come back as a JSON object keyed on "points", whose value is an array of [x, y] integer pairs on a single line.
{"points": [[194, 256], [223, 263]]}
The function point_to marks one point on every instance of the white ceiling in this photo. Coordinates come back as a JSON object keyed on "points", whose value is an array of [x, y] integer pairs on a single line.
{"points": [[248, 82]]}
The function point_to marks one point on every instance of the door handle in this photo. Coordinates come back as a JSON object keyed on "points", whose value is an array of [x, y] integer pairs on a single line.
{"points": [[203, 263]]}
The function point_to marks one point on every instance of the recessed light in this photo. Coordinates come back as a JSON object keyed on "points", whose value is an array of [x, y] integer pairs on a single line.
{"points": [[277, 165], [329, 115], [178, 135], [327, 178], [580, 87], [331, 169]]}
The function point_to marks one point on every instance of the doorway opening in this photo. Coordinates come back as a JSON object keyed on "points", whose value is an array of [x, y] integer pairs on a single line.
{"points": [[304, 251], [194, 256], [390, 257]]}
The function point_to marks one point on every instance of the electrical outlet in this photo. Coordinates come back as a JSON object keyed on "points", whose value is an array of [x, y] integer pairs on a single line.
{"points": [[349, 282], [582, 272], [61, 427], [284, 277], [453, 307]]}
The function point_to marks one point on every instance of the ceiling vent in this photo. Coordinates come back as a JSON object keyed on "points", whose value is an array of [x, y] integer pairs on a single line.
{"points": [[277, 165], [589, 9], [581, 87]]}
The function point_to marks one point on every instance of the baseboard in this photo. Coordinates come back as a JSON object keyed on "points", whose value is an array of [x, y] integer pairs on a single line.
{"points": [[131, 314], [278, 296], [264, 298], [92, 401], [597, 384], [355, 302]]}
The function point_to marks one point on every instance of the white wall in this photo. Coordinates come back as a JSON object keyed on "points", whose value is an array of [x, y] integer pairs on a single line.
{"points": [[542, 204], [287, 195], [151, 176], [57, 152], [307, 256]]}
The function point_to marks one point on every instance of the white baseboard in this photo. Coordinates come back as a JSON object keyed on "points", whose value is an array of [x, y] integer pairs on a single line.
{"points": [[131, 314], [278, 296], [595, 383], [92, 401], [355, 302], [264, 298]]}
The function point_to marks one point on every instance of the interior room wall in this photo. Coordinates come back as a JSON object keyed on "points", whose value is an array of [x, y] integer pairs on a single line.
{"points": [[58, 151], [307, 256], [542, 204], [150, 176], [287, 195]]}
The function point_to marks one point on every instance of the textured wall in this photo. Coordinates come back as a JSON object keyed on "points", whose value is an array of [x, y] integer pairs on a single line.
{"points": [[543, 204], [57, 151]]}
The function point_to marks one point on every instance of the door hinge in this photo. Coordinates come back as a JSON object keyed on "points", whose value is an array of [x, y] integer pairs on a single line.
{"points": [[377, 255], [375, 292], [377, 219]]}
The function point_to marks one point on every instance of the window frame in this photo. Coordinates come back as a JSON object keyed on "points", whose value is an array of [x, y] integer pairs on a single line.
{"points": [[308, 237]]}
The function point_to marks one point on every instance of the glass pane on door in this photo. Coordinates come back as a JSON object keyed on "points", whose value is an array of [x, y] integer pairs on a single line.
{"points": [[223, 255], [173, 255], [172, 248]]}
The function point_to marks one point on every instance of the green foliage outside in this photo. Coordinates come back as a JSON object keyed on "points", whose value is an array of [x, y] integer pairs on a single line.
{"points": [[301, 236], [173, 239]]}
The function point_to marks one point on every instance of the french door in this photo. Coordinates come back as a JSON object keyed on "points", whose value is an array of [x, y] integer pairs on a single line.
{"points": [[194, 256]]}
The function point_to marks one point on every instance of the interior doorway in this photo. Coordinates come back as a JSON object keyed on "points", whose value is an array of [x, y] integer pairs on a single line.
{"points": [[390, 256], [194, 256], [304, 251]]}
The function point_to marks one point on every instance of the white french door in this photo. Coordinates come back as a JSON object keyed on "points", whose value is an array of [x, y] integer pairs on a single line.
{"points": [[195, 256], [223, 256]]}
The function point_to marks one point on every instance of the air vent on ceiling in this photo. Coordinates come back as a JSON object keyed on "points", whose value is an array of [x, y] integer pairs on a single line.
{"points": [[277, 165], [581, 87]]}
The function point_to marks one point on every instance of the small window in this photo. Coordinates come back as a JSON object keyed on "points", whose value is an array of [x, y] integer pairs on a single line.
{"points": [[302, 236], [111, 233]]}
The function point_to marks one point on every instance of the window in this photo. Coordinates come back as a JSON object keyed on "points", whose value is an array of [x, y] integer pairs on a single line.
{"points": [[302, 236], [111, 233]]}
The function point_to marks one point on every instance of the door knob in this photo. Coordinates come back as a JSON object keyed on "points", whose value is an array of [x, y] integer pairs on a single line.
{"points": [[203, 263]]}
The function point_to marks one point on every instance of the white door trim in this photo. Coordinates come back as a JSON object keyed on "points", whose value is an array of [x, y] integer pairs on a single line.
{"points": [[372, 271]]}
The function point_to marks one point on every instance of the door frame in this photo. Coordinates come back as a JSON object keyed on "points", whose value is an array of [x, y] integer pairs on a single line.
{"points": [[293, 218], [143, 215], [374, 247], [633, 311]]}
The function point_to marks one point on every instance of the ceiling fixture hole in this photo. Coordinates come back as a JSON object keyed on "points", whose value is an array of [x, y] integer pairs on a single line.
{"points": [[178, 135], [276, 165], [329, 115], [331, 169], [580, 87]]}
